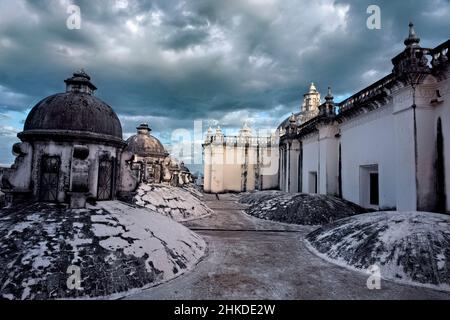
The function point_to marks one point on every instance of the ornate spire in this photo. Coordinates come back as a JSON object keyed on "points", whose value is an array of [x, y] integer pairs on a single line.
{"points": [[209, 134], [292, 118], [245, 131], [412, 63], [82, 73], [413, 40], [219, 136], [310, 105], [329, 97], [329, 108]]}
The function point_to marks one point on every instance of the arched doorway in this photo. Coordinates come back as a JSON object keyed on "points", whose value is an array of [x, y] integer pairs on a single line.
{"points": [[49, 180], [105, 179]]}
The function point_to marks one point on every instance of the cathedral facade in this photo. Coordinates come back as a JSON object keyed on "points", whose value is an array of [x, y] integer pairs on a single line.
{"points": [[385, 147], [239, 163]]}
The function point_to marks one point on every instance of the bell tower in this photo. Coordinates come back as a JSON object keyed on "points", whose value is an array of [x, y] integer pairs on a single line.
{"points": [[311, 103]]}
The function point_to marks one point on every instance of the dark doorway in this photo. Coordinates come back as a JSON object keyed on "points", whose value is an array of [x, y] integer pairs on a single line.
{"points": [[369, 184], [105, 180], [300, 168], [49, 181], [340, 173], [374, 190], [441, 197], [313, 182]]}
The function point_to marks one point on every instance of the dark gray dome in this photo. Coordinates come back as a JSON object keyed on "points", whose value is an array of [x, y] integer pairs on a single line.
{"points": [[74, 111], [145, 145], [286, 121]]}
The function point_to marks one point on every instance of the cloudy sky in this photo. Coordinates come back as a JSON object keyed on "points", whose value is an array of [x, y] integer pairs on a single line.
{"points": [[170, 63]]}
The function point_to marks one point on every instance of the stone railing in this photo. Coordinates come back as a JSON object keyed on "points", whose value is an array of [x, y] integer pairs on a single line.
{"points": [[239, 140], [367, 93], [440, 55]]}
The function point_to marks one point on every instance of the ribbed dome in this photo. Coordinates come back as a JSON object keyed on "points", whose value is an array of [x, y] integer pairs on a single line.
{"points": [[145, 145], [75, 111]]}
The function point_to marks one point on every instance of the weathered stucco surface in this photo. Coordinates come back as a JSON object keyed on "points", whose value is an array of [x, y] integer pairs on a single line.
{"points": [[178, 203], [117, 247], [300, 208], [410, 247], [250, 258]]}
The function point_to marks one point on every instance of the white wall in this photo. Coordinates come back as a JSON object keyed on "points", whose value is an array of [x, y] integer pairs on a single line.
{"points": [[128, 181], [310, 161], [269, 167], [442, 110], [283, 168], [217, 167], [370, 140], [293, 170], [20, 173], [234, 159], [207, 168], [224, 168], [250, 167], [64, 151], [329, 160]]}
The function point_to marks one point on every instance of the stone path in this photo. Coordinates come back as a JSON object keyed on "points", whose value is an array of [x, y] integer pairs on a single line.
{"points": [[250, 258]]}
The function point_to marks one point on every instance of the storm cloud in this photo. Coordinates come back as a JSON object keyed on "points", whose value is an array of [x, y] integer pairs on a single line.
{"points": [[172, 62]]}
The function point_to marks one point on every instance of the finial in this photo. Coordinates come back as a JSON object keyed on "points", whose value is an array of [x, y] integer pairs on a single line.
{"points": [[143, 128], [81, 73], [80, 82], [245, 125], [329, 96], [209, 134], [413, 40], [292, 118]]}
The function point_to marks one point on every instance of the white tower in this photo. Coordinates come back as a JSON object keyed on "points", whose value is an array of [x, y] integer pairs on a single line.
{"points": [[311, 103]]}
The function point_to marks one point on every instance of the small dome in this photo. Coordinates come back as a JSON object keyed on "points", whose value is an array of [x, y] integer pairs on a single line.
{"points": [[246, 131], [144, 144], [76, 111], [312, 88], [287, 121]]}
